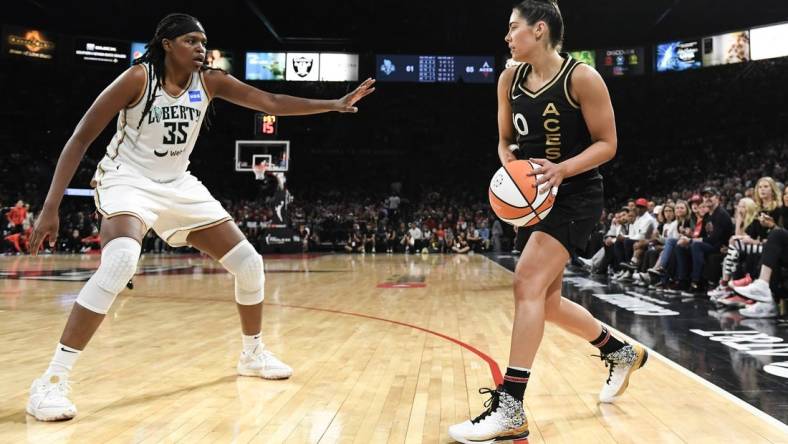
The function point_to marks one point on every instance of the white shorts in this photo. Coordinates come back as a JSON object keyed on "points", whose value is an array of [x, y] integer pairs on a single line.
{"points": [[172, 209]]}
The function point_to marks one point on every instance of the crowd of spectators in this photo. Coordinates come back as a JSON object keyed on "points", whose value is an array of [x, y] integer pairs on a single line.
{"points": [[730, 246], [719, 129], [79, 229], [436, 223]]}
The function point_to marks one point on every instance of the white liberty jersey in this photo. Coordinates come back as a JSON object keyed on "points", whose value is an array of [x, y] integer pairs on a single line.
{"points": [[160, 146]]}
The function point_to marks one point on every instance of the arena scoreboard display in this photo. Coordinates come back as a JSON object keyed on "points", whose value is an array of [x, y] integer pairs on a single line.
{"points": [[137, 50], [302, 66], [338, 67], [435, 68], [265, 65], [28, 43], [679, 55], [587, 57], [618, 62], [96, 51], [265, 124], [723, 49], [769, 41]]}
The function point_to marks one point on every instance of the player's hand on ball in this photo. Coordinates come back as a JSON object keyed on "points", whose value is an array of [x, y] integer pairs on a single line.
{"points": [[345, 104], [46, 226], [552, 174]]}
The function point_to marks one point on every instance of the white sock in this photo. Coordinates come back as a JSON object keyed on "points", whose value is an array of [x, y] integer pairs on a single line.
{"points": [[63, 360], [253, 344]]}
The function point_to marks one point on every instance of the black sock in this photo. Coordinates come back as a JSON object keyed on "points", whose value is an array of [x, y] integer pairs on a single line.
{"points": [[607, 343], [515, 381]]}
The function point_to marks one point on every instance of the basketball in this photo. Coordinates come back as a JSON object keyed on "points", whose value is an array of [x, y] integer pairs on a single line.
{"points": [[513, 194]]}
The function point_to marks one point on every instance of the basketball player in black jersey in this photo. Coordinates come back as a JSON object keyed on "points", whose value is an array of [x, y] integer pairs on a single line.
{"points": [[556, 112]]}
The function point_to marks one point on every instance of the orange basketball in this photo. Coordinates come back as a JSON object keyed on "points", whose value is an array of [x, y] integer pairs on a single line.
{"points": [[514, 198]]}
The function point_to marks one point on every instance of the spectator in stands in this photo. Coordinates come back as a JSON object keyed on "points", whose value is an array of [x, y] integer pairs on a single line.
{"points": [[620, 244], [783, 219], [17, 242], [775, 258], [71, 243], [681, 253], [393, 204], [91, 242], [719, 229], [440, 232], [435, 245], [368, 237], [637, 239], [497, 235], [426, 234], [604, 257], [415, 237], [473, 238], [16, 217], [748, 238], [769, 198], [666, 219], [392, 240], [672, 232], [484, 236], [652, 208], [450, 239], [354, 242], [461, 246]]}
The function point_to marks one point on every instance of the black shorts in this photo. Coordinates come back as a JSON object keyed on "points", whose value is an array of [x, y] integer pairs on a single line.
{"points": [[575, 213]]}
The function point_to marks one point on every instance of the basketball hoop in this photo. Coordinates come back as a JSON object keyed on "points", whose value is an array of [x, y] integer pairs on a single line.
{"points": [[259, 170]]}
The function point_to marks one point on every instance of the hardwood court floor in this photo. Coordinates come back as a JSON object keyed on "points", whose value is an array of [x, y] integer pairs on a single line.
{"points": [[161, 367]]}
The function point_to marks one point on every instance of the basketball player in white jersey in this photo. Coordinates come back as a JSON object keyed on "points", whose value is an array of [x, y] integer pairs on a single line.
{"points": [[142, 183]]}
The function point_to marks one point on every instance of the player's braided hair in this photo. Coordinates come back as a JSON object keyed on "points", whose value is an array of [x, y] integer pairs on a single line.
{"points": [[168, 28], [546, 11]]}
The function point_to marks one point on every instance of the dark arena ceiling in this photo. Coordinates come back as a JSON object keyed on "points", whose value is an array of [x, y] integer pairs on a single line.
{"points": [[395, 26]]}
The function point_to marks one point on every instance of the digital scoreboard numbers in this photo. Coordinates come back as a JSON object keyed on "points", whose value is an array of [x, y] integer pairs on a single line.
{"points": [[427, 71], [265, 125], [475, 69], [435, 69]]}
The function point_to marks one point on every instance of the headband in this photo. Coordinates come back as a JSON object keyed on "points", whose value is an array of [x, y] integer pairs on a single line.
{"points": [[182, 28]]}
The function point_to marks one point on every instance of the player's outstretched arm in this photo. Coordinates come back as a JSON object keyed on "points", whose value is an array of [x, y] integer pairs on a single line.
{"points": [[229, 88], [124, 91]]}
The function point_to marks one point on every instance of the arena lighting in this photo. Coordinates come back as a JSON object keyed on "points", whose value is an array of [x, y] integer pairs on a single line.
{"points": [[83, 192]]}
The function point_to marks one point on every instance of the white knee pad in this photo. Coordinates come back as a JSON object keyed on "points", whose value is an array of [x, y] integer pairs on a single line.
{"points": [[246, 265], [118, 264]]}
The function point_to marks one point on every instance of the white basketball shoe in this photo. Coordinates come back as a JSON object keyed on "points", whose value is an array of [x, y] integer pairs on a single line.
{"points": [[49, 399], [263, 364], [621, 364], [504, 420]]}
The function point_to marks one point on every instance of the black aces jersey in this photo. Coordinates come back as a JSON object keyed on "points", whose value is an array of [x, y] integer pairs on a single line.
{"points": [[548, 124]]}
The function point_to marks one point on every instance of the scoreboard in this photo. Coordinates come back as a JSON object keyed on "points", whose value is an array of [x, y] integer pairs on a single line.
{"points": [[435, 68], [265, 125]]}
